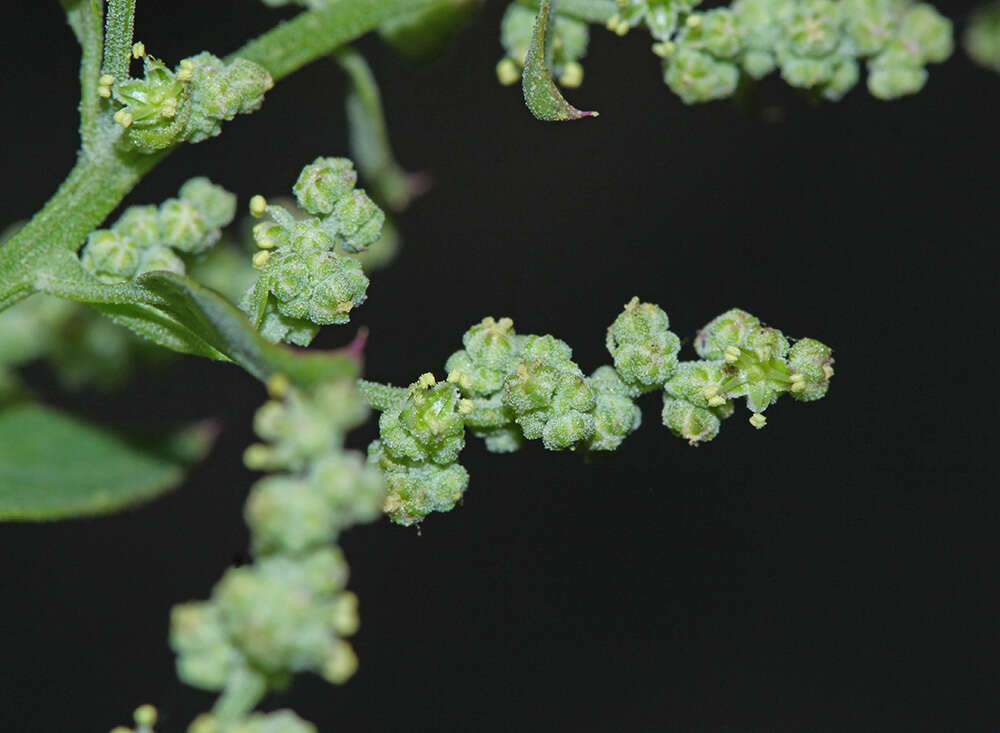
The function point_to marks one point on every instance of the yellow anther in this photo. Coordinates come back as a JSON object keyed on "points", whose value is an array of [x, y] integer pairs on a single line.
{"points": [[758, 420], [341, 664], [123, 117], [710, 391], [716, 401], [622, 27], [169, 108], [278, 385], [827, 371], [632, 304], [260, 258], [732, 354], [258, 457], [505, 324], [465, 406], [426, 380], [103, 91], [145, 715], [454, 377], [572, 75], [613, 22], [693, 21], [186, 70], [138, 50], [663, 49], [261, 237], [797, 386], [106, 80], [344, 306], [258, 205], [507, 72]]}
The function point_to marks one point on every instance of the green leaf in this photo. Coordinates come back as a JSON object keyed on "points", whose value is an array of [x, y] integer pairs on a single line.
{"points": [[423, 35], [225, 328], [54, 466], [543, 98]]}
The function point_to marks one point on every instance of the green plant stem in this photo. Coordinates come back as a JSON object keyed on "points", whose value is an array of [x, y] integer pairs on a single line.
{"points": [[102, 177], [94, 187], [84, 17], [118, 37], [243, 691], [315, 33]]}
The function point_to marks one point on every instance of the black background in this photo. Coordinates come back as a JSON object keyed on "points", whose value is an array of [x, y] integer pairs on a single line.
{"points": [[834, 571]]}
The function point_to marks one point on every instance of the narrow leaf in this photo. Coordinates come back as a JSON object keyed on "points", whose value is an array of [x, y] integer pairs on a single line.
{"points": [[225, 328], [54, 466], [543, 98]]}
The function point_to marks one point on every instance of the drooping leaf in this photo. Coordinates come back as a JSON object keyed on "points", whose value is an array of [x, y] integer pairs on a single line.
{"points": [[54, 466], [541, 95]]}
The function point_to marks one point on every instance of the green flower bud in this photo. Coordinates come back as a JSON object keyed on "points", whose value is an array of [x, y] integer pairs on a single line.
{"points": [[315, 285], [155, 108], [888, 79], [698, 77], [845, 77], [141, 224], [216, 204], [716, 32], [759, 64], [220, 92], [813, 28], [278, 328], [305, 426], [730, 329], [279, 612], [805, 72], [426, 426], [566, 429], [323, 183], [929, 31], [289, 515], [488, 413], [358, 221], [540, 392], [761, 22], [109, 256], [160, 258], [698, 382], [184, 227], [205, 656], [502, 440], [811, 365], [417, 489], [642, 346], [869, 24], [694, 424], [615, 415], [491, 350], [354, 490]]}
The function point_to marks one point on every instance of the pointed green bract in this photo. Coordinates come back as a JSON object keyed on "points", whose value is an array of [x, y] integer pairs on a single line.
{"points": [[543, 98]]}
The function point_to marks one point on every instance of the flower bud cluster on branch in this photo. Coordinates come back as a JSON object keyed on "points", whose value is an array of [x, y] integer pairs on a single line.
{"points": [[815, 45], [306, 278], [288, 611], [507, 388], [147, 238]]}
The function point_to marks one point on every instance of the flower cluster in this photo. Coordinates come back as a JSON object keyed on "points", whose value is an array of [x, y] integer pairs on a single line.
{"points": [[306, 278], [568, 45], [288, 611], [508, 388], [146, 238], [189, 102], [420, 437], [815, 44]]}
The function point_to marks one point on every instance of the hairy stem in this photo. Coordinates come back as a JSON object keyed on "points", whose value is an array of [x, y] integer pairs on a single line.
{"points": [[84, 17], [102, 177], [118, 37]]}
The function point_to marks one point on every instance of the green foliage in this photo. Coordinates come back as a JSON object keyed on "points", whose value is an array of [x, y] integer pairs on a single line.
{"points": [[53, 466], [982, 36]]}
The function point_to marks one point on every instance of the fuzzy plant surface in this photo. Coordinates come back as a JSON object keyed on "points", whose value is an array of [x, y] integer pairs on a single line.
{"points": [[95, 296]]}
